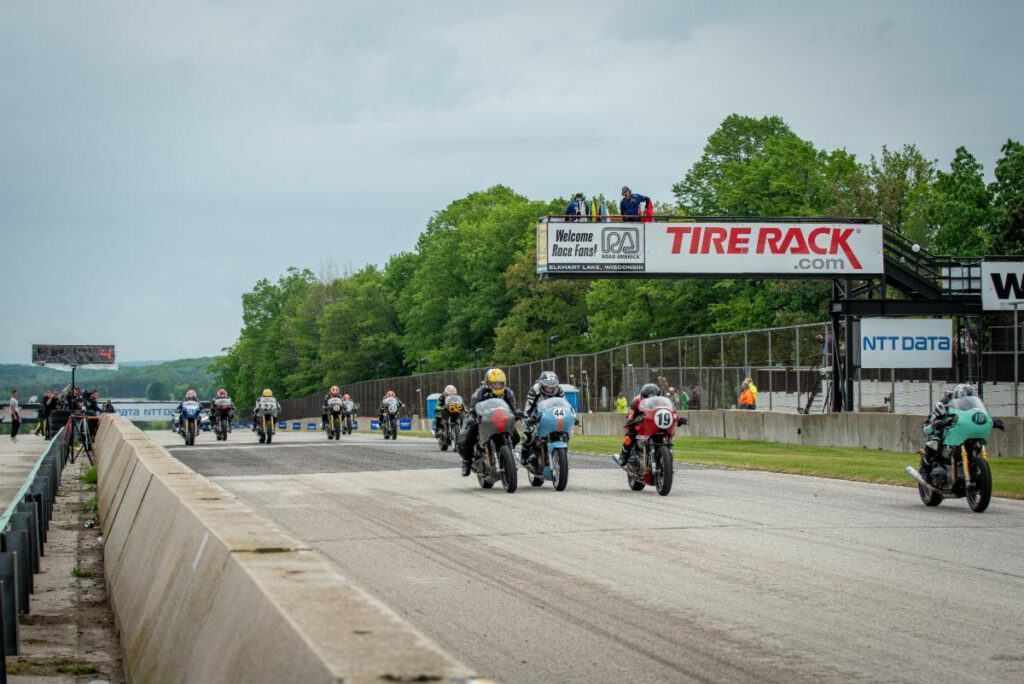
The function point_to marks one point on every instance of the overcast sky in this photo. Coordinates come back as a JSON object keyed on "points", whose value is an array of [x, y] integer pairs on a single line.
{"points": [[158, 158]]}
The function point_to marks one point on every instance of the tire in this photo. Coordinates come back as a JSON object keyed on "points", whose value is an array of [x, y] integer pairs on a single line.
{"points": [[263, 438], [484, 482], [535, 480], [560, 468], [635, 485], [928, 497], [663, 479], [980, 493], [509, 476], [270, 436]]}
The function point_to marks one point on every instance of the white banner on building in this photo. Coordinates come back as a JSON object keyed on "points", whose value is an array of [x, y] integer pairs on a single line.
{"points": [[1002, 285], [906, 343], [725, 248]]}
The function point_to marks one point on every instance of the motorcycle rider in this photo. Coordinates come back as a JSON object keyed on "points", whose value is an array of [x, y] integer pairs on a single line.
{"points": [[633, 419], [493, 387], [442, 401], [266, 396], [189, 396], [546, 387], [221, 397], [382, 409], [331, 394], [935, 425]]}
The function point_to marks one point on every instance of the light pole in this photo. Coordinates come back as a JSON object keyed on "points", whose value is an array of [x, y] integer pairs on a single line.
{"points": [[551, 341], [423, 395]]}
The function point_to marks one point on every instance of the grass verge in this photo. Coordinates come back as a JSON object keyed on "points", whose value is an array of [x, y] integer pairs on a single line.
{"points": [[862, 465]]}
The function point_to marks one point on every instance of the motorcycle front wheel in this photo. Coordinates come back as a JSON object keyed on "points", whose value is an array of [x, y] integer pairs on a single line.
{"points": [[980, 492], [560, 468], [663, 477], [509, 476]]}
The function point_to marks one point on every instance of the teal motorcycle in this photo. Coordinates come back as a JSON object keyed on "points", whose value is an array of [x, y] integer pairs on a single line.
{"points": [[958, 466]]}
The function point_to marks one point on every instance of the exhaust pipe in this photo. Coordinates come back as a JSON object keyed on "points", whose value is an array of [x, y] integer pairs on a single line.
{"points": [[912, 472]]}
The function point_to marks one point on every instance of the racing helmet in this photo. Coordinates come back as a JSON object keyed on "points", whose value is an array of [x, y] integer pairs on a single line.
{"points": [[190, 395], [390, 394], [334, 390], [268, 393], [345, 397], [548, 382], [450, 390], [495, 379], [650, 390], [222, 394], [963, 390]]}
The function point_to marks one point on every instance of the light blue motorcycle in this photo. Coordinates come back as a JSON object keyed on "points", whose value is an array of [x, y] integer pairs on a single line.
{"points": [[551, 443]]}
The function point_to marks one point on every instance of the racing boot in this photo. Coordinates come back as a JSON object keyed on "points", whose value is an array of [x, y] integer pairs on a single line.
{"points": [[622, 458], [465, 467]]}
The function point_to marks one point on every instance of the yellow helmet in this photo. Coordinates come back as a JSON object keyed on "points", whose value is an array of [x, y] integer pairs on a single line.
{"points": [[267, 393], [495, 379]]}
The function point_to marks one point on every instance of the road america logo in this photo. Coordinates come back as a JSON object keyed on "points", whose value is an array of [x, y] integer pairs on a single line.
{"points": [[620, 241]]}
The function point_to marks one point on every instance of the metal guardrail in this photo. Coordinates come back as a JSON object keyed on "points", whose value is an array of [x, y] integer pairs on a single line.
{"points": [[23, 529]]}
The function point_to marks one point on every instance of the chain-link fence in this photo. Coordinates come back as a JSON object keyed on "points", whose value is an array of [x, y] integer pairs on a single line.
{"points": [[791, 367]]}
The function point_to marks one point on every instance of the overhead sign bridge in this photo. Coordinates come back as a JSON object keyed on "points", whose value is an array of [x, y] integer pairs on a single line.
{"points": [[874, 272]]}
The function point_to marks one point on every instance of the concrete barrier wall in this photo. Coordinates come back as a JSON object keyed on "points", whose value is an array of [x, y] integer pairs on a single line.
{"points": [[888, 431], [204, 589]]}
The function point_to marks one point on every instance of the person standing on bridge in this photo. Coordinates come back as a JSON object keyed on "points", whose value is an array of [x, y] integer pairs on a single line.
{"points": [[15, 415], [578, 210], [629, 205]]}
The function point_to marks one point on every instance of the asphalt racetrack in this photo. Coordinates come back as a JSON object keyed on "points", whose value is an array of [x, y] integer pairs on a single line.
{"points": [[735, 576]]}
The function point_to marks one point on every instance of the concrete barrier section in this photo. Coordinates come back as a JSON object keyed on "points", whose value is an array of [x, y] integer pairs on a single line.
{"points": [[897, 432], [203, 589]]}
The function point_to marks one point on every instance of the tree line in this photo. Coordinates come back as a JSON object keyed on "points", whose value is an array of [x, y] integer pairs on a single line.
{"points": [[159, 381], [470, 284]]}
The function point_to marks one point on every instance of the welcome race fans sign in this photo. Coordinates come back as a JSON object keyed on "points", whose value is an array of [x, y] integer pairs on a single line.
{"points": [[710, 248]]}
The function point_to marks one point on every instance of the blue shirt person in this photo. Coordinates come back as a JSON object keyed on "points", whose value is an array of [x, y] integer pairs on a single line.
{"points": [[577, 208], [630, 203]]}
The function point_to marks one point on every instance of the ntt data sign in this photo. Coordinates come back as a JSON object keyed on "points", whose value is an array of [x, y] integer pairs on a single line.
{"points": [[710, 248], [906, 343]]}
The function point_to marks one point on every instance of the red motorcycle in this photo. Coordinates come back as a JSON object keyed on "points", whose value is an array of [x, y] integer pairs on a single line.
{"points": [[650, 460]]}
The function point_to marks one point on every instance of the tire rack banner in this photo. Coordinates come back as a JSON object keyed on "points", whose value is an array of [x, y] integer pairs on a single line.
{"points": [[80, 355], [1002, 285], [710, 248], [906, 343]]}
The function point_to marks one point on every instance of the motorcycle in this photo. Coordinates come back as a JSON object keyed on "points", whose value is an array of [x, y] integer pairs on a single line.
{"points": [[389, 419], [348, 410], [205, 424], [266, 424], [188, 422], [451, 422], [493, 457], [334, 411], [961, 468], [650, 460], [551, 443], [221, 410]]}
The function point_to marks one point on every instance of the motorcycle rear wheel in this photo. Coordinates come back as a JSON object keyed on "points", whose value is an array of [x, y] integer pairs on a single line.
{"points": [[263, 438], [663, 477], [634, 484], [509, 476], [928, 497], [979, 494]]}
